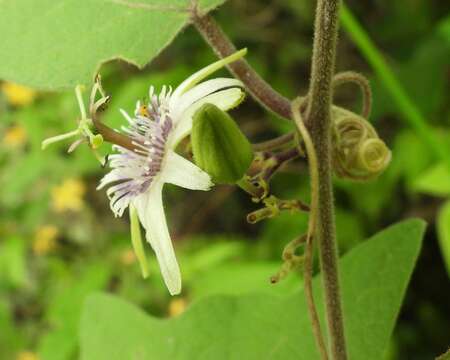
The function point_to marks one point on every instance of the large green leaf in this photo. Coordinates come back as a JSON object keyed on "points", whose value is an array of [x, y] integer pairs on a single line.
{"points": [[60, 341], [242, 278], [52, 44], [262, 326]]}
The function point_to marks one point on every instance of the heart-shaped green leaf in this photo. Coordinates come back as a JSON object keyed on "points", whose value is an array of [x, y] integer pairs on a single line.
{"points": [[52, 44], [261, 326]]}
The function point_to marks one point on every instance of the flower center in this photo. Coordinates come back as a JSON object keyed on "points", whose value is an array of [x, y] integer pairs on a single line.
{"points": [[150, 132], [134, 171]]}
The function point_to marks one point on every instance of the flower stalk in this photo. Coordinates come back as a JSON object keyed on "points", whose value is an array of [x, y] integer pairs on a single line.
{"points": [[273, 161], [275, 143]]}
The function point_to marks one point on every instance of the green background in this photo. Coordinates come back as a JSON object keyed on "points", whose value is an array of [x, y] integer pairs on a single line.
{"points": [[83, 293]]}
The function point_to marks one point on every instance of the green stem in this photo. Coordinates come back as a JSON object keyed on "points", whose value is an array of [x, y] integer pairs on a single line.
{"points": [[312, 225], [60, 137], [136, 241], [273, 206], [318, 118], [407, 108]]}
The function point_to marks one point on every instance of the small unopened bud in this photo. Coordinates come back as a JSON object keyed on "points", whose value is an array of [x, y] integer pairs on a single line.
{"points": [[96, 141], [219, 146]]}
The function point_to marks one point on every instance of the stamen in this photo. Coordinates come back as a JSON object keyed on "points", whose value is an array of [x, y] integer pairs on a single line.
{"points": [[135, 170]]}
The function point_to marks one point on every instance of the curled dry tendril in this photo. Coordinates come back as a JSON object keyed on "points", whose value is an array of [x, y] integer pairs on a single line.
{"points": [[358, 152]]}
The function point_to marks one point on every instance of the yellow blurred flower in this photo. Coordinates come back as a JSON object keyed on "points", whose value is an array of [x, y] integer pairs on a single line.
{"points": [[128, 257], [27, 355], [18, 95], [177, 306], [15, 136], [45, 239], [68, 195]]}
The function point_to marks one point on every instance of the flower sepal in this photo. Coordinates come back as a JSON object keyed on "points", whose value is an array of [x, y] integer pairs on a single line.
{"points": [[219, 146]]}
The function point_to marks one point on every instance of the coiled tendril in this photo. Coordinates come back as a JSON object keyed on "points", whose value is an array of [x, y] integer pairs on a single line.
{"points": [[358, 151]]}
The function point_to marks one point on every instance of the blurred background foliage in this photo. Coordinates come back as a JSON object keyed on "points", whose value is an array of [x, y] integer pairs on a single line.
{"points": [[59, 241]]}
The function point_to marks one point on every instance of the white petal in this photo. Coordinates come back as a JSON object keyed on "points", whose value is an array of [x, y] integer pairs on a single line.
{"points": [[224, 100], [111, 177], [150, 210], [203, 73], [181, 172], [201, 90]]}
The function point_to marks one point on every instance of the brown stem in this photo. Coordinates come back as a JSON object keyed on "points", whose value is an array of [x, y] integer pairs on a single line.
{"points": [[258, 88], [319, 120], [275, 143], [112, 136], [96, 109], [279, 159]]}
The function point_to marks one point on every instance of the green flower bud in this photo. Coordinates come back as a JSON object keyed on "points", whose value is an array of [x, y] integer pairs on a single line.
{"points": [[219, 146], [96, 141]]}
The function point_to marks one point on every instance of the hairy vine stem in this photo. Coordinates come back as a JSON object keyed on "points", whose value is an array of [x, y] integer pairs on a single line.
{"points": [[318, 117], [258, 87]]}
